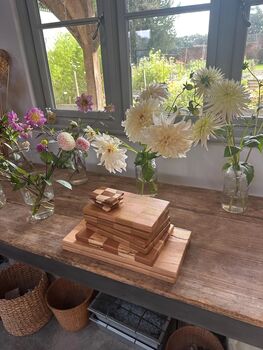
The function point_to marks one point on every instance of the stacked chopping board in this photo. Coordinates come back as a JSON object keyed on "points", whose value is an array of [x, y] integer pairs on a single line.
{"points": [[132, 231]]}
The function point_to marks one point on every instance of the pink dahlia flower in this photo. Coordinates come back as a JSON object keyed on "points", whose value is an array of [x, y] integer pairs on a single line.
{"points": [[66, 141], [35, 117], [13, 121], [84, 103], [82, 144], [41, 148], [26, 133]]}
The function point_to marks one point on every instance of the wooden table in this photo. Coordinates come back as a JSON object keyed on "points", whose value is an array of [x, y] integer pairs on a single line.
{"points": [[220, 285]]}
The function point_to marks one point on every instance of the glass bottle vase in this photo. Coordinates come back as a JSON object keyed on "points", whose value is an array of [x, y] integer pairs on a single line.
{"points": [[235, 191], [41, 204], [146, 178], [78, 175]]}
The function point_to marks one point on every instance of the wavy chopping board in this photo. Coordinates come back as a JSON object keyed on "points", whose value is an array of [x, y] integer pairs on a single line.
{"points": [[137, 215], [124, 249], [165, 268], [136, 243]]}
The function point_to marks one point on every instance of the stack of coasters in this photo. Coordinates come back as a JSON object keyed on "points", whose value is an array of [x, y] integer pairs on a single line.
{"points": [[137, 230], [106, 198]]}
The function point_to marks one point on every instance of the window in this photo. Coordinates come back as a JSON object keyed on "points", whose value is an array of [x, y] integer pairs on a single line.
{"points": [[112, 49], [254, 53]]}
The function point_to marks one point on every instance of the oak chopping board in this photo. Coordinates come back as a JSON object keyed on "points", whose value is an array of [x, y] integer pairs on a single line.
{"points": [[136, 214], [165, 268], [99, 241], [136, 243]]}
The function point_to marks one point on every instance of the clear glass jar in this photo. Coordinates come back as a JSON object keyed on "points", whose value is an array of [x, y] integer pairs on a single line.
{"points": [[146, 178], [235, 191], [41, 203], [78, 176], [2, 197]]}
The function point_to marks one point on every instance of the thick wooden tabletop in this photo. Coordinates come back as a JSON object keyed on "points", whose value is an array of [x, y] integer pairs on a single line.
{"points": [[223, 268]]}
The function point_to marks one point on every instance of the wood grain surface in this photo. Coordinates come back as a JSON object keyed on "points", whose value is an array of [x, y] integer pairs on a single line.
{"points": [[163, 264], [223, 268], [138, 213]]}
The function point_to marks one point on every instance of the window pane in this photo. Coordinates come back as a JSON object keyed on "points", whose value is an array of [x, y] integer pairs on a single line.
{"points": [[254, 51], [61, 10], [167, 49], [141, 5], [75, 65]]}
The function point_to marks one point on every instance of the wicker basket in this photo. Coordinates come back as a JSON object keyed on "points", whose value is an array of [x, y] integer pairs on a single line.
{"points": [[26, 314], [69, 301], [4, 65], [191, 337]]}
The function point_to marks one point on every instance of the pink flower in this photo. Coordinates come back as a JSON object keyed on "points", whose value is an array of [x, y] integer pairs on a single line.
{"points": [[12, 117], [66, 141], [13, 121], [42, 146], [84, 103], [82, 144], [26, 133], [35, 117]]}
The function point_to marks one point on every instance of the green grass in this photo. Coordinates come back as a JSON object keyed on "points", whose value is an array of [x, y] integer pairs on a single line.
{"points": [[258, 67]]}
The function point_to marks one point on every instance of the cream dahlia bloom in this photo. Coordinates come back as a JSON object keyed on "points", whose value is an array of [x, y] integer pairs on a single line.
{"points": [[169, 140], [205, 127], [228, 99], [66, 141], [156, 91], [204, 78], [111, 155], [139, 117]]}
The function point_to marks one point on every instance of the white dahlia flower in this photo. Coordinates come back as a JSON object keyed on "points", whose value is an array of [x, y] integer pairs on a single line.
{"points": [[169, 140], [111, 155], [205, 127], [204, 78], [156, 91], [228, 99], [139, 117]]}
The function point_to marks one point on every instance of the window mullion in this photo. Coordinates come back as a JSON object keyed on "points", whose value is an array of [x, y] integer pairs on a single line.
{"points": [[231, 39], [126, 83], [110, 59], [41, 53]]}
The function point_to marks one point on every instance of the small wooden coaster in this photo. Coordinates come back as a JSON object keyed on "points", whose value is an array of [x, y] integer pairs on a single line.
{"points": [[106, 198]]}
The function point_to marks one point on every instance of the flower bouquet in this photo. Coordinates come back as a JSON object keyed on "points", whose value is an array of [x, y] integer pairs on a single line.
{"points": [[36, 187], [220, 106]]}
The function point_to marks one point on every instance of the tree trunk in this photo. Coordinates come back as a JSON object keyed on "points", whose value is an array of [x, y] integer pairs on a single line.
{"points": [[66, 10]]}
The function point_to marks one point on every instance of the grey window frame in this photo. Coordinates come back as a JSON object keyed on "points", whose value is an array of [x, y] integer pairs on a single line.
{"points": [[226, 47]]}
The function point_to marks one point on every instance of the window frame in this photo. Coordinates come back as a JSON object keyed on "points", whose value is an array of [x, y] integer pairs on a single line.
{"points": [[225, 49]]}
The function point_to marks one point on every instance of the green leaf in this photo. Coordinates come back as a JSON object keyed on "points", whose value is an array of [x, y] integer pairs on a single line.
{"points": [[226, 166], [231, 151], [65, 184], [18, 186], [147, 172], [46, 157], [48, 182], [249, 171]]}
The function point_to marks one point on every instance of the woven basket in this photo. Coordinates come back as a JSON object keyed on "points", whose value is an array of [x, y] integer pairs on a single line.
{"points": [[191, 337], [4, 64], [69, 301], [26, 314]]}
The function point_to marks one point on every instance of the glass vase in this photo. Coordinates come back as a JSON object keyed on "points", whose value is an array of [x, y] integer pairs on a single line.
{"points": [[235, 191], [2, 197], [78, 175], [41, 203], [146, 178]]}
